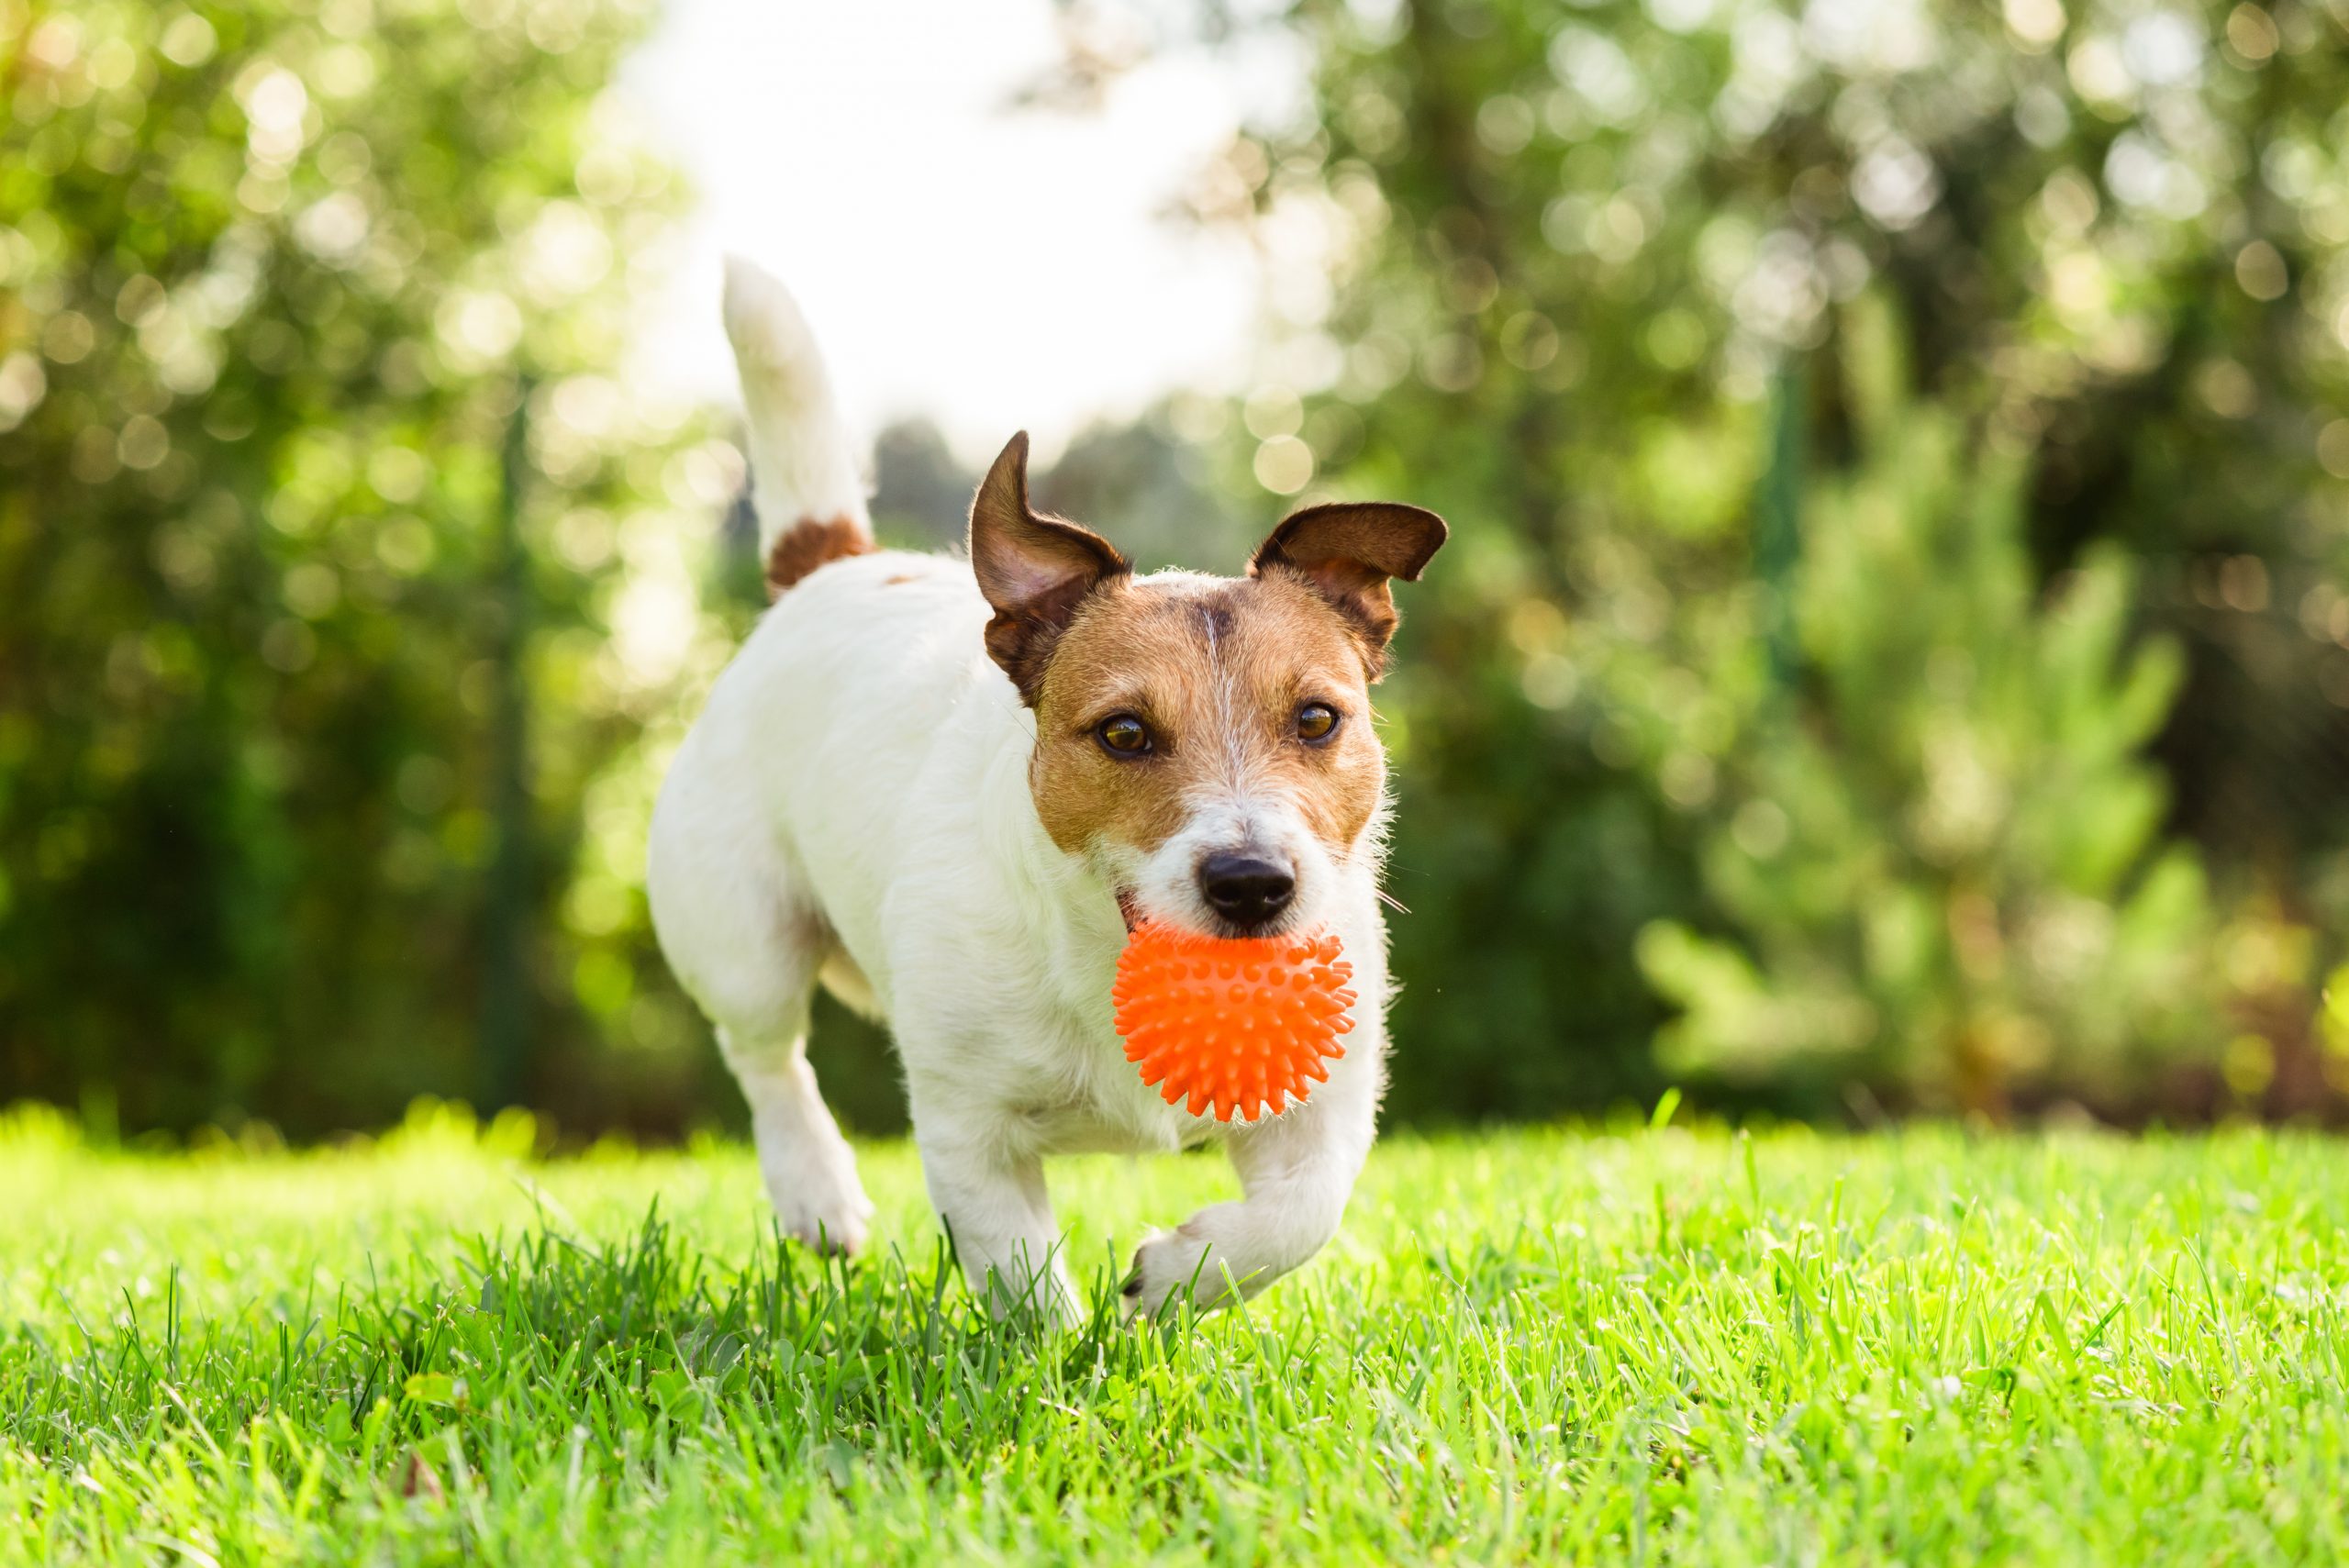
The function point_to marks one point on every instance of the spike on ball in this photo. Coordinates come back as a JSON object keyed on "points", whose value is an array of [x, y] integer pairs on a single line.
{"points": [[1237, 1025]]}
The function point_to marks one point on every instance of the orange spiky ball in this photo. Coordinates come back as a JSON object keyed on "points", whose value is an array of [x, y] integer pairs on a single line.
{"points": [[1238, 1024]]}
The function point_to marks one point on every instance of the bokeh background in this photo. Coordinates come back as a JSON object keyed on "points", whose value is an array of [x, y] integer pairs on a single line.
{"points": [[1893, 658]]}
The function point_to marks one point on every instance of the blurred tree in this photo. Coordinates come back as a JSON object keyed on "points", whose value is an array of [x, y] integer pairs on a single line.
{"points": [[1937, 854], [1154, 494], [274, 274], [1144, 482], [1539, 263], [921, 495]]}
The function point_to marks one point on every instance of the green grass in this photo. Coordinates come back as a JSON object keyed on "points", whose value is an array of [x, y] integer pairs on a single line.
{"points": [[1635, 1346]]}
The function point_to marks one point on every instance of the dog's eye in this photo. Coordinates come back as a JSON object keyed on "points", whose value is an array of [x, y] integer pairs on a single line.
{"points": [[1315, 721], [1123, 735]]}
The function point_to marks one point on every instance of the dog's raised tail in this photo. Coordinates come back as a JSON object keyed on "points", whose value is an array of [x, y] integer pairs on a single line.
{"points": [[805, 483]]}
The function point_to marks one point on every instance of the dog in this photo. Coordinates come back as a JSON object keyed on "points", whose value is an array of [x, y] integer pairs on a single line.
{"points": [[947, 789]]}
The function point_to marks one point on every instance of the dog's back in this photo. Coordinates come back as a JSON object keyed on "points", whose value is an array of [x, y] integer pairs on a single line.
{"points": [[841, 735], [811, 755]]}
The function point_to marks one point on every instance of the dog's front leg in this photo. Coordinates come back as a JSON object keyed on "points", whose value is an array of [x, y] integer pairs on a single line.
{"points": [[1295, 1172], [996, 1212]]}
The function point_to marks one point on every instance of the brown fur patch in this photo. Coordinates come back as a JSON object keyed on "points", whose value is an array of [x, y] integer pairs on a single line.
{"points": [[1217, 670], [809, 543], [1346, 550], [1035, 569]]}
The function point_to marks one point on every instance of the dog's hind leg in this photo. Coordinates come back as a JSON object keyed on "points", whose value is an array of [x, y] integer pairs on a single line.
{"points": [[747, 945], [809, 1170]]}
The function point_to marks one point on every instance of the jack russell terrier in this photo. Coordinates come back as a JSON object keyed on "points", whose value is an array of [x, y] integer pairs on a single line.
{"points": [[947, 789]]}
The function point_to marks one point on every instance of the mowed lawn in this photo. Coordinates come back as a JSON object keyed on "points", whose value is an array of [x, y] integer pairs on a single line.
{"points": [[1635, 1345]]}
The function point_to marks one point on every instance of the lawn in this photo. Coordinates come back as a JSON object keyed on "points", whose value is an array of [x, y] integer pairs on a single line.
{"points": [[1626, 1344]]}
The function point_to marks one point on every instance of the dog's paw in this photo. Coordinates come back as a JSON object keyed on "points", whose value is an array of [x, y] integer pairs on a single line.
{"points": [[834, 1234], [822, 1205], [1172, 1267]]}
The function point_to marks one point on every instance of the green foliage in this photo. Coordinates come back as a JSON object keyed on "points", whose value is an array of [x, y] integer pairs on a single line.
{"points": [[348, 587], [1921, 1347], [289, 617], [1937, 846], [1576, 243]]}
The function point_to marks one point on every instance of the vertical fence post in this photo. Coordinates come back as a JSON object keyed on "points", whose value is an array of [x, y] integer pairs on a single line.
{"points": [[1778, 525], [506, 906]]}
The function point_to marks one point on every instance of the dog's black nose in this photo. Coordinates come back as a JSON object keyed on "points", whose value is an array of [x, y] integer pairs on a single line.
{"points": [[1244, 890]]}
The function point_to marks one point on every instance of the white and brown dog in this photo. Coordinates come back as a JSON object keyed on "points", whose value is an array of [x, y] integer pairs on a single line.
{"points": [[946, 788]]}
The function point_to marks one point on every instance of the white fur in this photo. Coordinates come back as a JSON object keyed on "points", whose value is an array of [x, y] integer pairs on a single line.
{"points": [[854, 802], [802, 463]]}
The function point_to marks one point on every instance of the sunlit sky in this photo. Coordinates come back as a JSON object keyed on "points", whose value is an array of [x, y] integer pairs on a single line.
{"points": [[991, 267]]}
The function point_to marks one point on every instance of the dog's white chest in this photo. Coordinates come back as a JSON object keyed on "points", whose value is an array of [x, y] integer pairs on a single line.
{"points": [[1075, 1093]]}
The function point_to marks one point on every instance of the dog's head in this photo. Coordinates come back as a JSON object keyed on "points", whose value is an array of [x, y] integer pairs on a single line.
{"points": [[1205, 742]]}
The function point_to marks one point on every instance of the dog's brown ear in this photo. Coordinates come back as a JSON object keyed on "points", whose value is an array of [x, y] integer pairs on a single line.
{"points": [[1033, 568], [1348, 550]]}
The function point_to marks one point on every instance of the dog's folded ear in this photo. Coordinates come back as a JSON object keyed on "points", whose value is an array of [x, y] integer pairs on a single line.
{"points": [[1348, 550], [1033, 568]]}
